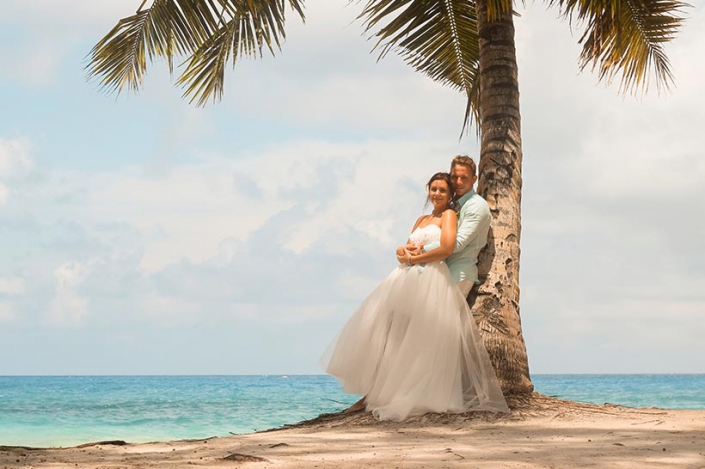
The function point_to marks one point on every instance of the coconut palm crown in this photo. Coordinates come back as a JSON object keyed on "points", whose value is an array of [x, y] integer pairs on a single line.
{"points": [[436, 37], [465, 44]]}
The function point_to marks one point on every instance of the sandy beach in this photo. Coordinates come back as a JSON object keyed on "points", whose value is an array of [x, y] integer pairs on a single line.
{"points": [[540, 433]]}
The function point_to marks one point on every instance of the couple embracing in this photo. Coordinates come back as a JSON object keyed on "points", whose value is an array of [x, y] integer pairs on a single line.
{"points": [[413, 346]]}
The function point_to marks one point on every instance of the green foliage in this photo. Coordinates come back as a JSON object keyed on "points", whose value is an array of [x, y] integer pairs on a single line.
{"points": [[626, 37], [209, 32], [437, 37]]}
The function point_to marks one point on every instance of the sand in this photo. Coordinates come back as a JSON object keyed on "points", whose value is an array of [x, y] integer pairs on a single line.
{"points": [[540, 433]]}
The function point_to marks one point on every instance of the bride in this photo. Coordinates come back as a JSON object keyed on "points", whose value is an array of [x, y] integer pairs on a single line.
{"points": [[412, 346]]}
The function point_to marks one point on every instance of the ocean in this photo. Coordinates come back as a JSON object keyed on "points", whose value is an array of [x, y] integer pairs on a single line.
{"points": [[70, 410]]}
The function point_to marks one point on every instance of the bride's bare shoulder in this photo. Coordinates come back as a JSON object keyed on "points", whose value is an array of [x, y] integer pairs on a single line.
{"points": [[418, 222], [450, 213]]}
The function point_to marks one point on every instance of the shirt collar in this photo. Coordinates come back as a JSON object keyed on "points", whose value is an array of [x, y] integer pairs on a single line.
{"points": [[466, 197]]}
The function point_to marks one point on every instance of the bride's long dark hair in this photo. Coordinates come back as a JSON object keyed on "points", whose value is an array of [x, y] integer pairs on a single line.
{"points": [[442, 176]]}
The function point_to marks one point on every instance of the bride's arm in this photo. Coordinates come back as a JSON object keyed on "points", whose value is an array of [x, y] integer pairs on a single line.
{"points": [[449, 227], [402, 251]]}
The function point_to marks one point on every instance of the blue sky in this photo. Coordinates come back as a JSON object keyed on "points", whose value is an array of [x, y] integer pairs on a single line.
{"points": [[141, 235]]}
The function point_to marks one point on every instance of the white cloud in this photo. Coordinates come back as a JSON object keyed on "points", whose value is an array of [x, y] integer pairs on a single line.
{"points": [[147, 239], [171, 312], [69, 308], [76, 16], [53, 29], [190, 211], [627, 161], [7, 312], [15, 157], [187, 213], [12, 286], [15, 163], [70, 275]]}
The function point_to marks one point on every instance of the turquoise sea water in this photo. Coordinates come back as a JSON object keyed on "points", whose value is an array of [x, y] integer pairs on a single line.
{"points": [[69, 410]]}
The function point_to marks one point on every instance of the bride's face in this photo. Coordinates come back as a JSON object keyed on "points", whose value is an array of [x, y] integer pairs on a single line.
{"points": [[439, 194]]}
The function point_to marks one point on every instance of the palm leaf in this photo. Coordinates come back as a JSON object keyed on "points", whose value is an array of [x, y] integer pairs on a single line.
{"points": [[496, 8], [436, 37], [179, 28], [166, 29], [245, 30], [627, 37]]}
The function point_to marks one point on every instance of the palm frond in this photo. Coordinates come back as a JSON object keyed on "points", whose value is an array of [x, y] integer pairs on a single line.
{"points": [[252, 25], [496, 8], [186, 28], [436, 37], [627, 37], [205, 72], [165, 29]]}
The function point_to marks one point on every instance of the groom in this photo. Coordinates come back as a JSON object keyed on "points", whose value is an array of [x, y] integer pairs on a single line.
{"points": [[473, 225]]}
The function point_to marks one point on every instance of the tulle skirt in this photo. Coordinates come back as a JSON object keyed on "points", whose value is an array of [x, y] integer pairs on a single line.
{"points": [[413, 347]]}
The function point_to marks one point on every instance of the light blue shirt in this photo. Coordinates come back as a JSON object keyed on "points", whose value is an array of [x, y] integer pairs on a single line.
{"points": [[473, 227]]}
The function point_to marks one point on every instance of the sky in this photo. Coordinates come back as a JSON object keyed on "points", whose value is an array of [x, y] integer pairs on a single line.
{"points": [[142, 235]]}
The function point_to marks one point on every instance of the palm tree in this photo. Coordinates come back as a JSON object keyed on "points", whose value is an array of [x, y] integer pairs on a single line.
{"points": [[465, 44]]}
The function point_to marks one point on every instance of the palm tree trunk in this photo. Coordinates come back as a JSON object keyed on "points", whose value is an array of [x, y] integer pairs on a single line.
{"points": [[496, 302]]}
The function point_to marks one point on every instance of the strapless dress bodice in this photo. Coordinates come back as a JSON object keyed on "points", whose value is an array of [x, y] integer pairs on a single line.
{"points": [[425, 235]]}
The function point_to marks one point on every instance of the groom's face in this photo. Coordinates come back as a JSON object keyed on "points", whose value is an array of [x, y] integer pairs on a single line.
{"points": [[462, 179]]}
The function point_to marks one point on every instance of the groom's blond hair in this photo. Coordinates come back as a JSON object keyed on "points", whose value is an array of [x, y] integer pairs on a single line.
{"points": [[464, 160]]}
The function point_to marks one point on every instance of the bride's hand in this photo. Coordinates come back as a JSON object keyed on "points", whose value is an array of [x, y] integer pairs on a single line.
{"points": [[404, 255], [413, 249], [405, 258], [401, 254]]}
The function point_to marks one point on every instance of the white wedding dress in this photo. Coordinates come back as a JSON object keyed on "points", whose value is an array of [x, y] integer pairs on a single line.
{"points": [[413, 346]]}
